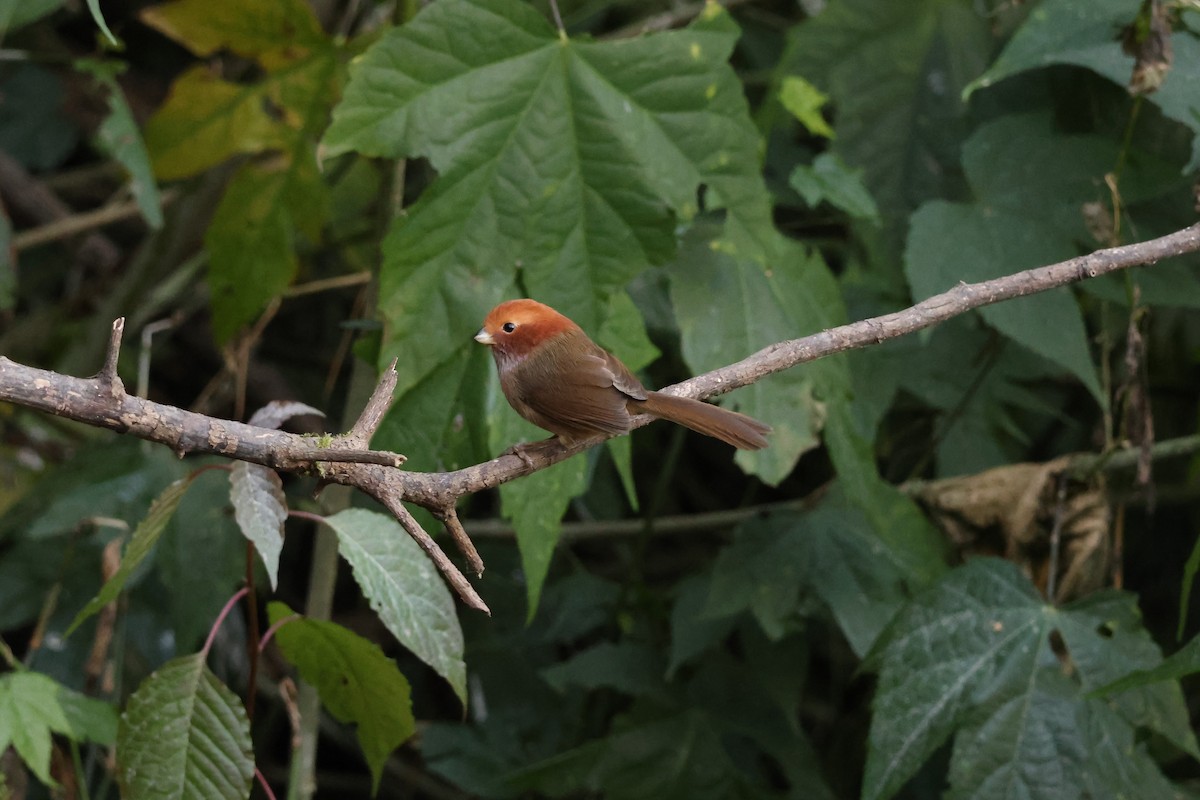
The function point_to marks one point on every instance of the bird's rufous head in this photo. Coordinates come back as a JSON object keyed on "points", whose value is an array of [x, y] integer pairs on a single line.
{"points": [[515, 327]]}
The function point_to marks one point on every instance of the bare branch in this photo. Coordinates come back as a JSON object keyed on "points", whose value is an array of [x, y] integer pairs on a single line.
{"points": [[450, 572], [377, 405], [465, 546], [102, 402]]}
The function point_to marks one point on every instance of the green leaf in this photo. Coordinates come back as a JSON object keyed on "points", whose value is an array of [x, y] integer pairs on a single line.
{"points": [[260, 510], [247, 27], [121, 138], [693, 630], [998, 243], [830, 553], [1104, 634], [202, 531], [536, 505], [356, 681], [33, 706], [113, 477], [805, 101], [252, 256], [830, 179], [568, 161], [1120, 761], [759, 306], [915, 547], [184, 736], [971, 657], [140, 544], [205, 120], [1086, 33], [17, 13], [678, 756], [98, 17], [629, 667], [34, 127], [439, 423], [902, 127], [405, 590]]}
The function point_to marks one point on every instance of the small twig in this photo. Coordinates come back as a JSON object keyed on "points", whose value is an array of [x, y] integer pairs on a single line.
{"points": [[349, 456], [465, 546], [27, 196], [109, 381], [373, 412], [456, 579], [143, 378], [83, 222], [262, 781], [354, 279]]}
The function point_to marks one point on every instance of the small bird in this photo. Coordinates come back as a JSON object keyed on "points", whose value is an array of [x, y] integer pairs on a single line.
{"points": [[557, 378]]}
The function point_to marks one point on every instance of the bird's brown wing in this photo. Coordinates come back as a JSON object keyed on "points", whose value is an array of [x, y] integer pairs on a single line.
{"points": [[623, 380], [588, 397]]}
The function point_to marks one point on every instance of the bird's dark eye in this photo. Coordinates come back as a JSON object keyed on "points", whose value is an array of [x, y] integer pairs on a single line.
{"points": [[509, 327]]}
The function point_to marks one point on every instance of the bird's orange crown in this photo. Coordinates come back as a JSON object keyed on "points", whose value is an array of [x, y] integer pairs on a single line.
{"points": [[516, 327]]}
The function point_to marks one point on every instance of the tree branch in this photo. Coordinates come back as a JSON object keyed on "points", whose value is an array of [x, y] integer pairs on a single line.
{"points": [[101, 401]]}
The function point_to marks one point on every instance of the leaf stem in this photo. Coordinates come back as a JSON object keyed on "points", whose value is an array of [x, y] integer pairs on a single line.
{"points": [[212, 634], [262, 781], [266, 638], [558, 22]]}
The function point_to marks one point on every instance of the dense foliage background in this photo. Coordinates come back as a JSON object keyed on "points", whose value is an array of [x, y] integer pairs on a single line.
{"points": [[955, 572]]}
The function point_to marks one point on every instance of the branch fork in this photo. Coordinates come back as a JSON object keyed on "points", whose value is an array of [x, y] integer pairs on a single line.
{"points": [[102, 401]]}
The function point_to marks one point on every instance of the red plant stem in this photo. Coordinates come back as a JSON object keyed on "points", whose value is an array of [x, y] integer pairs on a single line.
{"points": [[308, 515], [212, 634], [262, 781], [271, 630]]}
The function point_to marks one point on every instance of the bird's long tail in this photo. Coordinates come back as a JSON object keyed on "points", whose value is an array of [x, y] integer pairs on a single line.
{"points": [[744, 433]]}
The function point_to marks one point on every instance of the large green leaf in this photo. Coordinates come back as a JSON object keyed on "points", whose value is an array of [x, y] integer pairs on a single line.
{"points": [[405, 589], [830, 553], [568, 161], [33, 707], [1086, 33], [357, 682], [205, 121], [950, 243], [536, 505], [1178, 665], [728, 307], [895, 72], [972, 657], [184, 736], [1023, 217], [251, 241]]}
